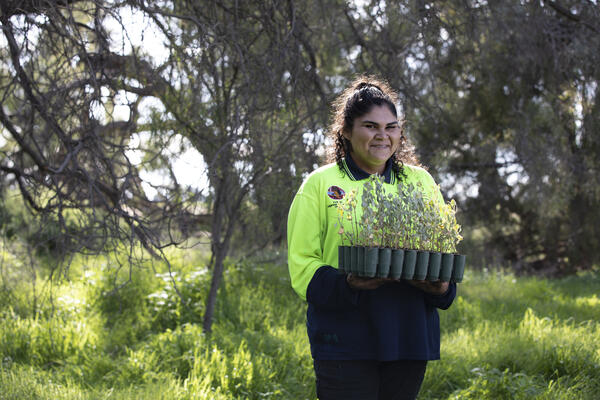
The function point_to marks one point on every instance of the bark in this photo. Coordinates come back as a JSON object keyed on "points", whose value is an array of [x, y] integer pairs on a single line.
{"points": [[220, 248], [9, 8], [215, 283]]}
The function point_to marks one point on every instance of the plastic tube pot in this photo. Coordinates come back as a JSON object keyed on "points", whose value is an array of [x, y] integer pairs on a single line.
{"points": [[360, 261], [341, 260], [385, 258], [435, 262], [396, 263], [446, 269], [458, 268], [347, 257], [421, 267], [371, 260], [354, 260], [408, 267]]}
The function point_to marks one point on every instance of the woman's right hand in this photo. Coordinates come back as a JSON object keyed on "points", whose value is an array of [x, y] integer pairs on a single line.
{"points": [[359, 283]]}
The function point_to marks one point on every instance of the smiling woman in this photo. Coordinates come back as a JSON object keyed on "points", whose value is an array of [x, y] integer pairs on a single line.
{"points": [[374, 138], [370, 338]]}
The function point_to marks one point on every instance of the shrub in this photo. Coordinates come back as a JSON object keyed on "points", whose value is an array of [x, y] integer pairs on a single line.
{"points": [[406, 219]]}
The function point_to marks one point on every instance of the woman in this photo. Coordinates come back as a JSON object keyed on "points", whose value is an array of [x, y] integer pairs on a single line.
{"points": [[369, 338]]}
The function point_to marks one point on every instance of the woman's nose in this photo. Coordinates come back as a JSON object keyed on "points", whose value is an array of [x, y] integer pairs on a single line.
{"points": [[381, 132]]}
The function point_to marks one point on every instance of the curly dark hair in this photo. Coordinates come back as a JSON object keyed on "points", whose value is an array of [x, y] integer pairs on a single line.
{"points": [[356, 100]]}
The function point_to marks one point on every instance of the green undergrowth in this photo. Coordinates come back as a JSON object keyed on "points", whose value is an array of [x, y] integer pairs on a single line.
{"points": [[101, 335]]}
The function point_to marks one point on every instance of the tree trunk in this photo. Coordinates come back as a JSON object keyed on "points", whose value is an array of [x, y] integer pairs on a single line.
{"points": [[224, 219], [217, 277]]}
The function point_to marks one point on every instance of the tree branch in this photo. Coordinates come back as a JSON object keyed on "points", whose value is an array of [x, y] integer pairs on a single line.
{"points": [[564, 11], [9, 8]]}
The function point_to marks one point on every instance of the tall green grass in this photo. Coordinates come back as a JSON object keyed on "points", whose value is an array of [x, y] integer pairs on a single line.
{"points": [[503, 338]]}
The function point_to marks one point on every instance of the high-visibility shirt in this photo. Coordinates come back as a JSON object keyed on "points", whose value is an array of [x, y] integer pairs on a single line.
{"points": [[395, 321]]}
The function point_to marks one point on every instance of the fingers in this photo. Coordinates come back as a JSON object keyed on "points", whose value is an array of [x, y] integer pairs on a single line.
{"points": [[360, 283], [437, 287]]}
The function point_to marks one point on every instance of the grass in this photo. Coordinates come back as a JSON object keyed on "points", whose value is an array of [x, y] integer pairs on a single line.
{"points": [[503, 338]]}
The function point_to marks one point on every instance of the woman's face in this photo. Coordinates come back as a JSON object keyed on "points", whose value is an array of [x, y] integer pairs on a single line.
{"points": [[375, 137]]}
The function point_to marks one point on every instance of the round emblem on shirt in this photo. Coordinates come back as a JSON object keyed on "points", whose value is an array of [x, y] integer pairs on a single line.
{"points": [[335, 192]]}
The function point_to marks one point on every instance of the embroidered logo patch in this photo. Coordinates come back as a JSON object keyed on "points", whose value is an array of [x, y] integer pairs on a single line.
{"points": [[335, 192]]}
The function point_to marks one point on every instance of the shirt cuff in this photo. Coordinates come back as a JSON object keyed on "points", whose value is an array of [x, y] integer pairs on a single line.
{"points": [[329, 289], [442, 301]]}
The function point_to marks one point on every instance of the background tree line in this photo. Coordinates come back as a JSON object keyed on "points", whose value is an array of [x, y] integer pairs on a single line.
{"points": [[100, 97]]}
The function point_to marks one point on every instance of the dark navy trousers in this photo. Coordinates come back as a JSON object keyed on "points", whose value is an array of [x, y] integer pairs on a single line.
{"points": [[369, 379]]}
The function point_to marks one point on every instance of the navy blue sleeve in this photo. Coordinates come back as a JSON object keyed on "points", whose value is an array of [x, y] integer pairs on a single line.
{"points": [[329, 289], [442, 301]]}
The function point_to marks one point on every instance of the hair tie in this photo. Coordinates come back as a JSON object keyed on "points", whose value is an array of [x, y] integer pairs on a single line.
{"points": [[366, 85]]}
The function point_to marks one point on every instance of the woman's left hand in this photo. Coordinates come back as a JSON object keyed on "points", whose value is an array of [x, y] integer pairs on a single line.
{"points": [[360, 283], [437, 287]]}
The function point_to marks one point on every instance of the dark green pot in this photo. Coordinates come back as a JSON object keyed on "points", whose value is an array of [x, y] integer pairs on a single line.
{"points": [[446, 269], [360, 261], [385, 258], [408, 267], [421, 267], [354, 260], [347, 258], [435, 262], [341, 260], [371, 260], [458, 268], [396, 263]]}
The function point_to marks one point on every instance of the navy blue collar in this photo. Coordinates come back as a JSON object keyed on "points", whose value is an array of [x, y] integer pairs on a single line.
{"points": [[358, 173]]}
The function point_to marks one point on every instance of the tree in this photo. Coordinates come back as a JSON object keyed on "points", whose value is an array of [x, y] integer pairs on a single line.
{"points": [[65, 161], [247, 90], [240, 85], [500, 99], [511, 100]]}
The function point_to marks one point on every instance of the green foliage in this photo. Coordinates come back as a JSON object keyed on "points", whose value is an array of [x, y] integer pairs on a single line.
{"points": [[505, 337], [17, 224], [378, 214], [406, 219], [519, 338], [448, 230], [347, 210], [508, 108]]}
